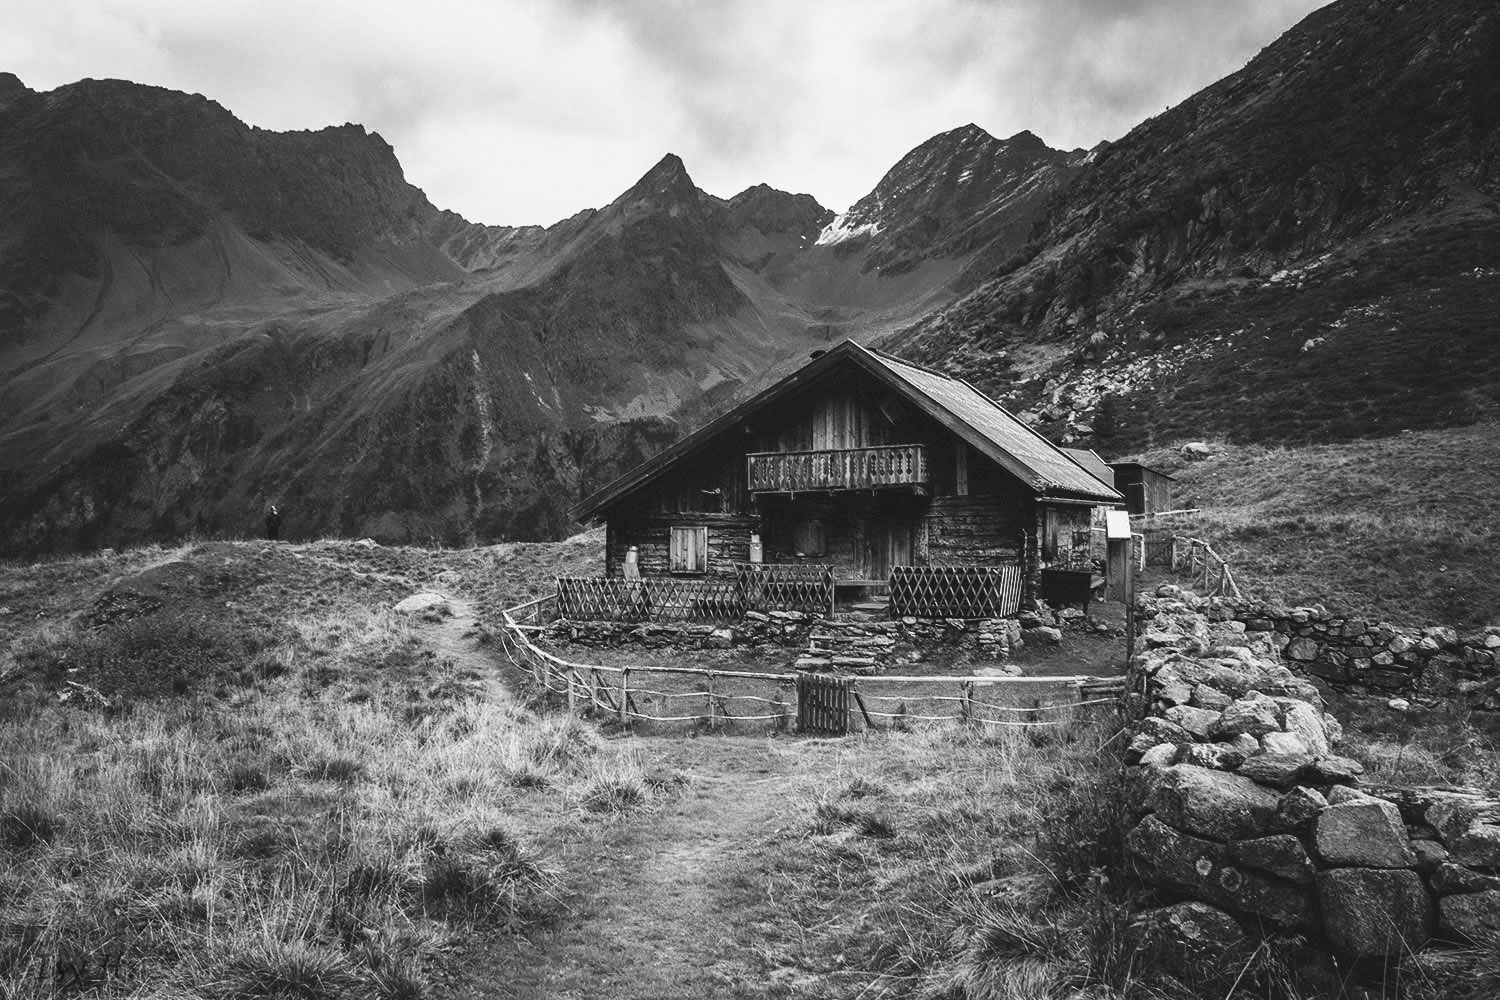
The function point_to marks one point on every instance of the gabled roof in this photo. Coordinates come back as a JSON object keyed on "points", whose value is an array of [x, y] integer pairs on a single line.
{"points": [[1090, 460], [1143, 468], [965, 411]]}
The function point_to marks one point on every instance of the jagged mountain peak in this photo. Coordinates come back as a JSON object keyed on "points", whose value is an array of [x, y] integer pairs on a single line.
{"points": [[775, 211], [958, 191], [10, 85], [668, 175]]}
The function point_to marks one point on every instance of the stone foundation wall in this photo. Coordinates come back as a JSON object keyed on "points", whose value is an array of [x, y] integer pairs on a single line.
{"points": [[1425, 665], [1250, 824], [886, 642]]}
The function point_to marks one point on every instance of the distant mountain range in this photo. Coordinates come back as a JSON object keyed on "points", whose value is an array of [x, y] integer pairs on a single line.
{"points": [[198, 318]]}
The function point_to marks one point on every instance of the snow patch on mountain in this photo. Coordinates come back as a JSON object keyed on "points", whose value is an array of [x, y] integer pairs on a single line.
{"points": [[842, 229]]}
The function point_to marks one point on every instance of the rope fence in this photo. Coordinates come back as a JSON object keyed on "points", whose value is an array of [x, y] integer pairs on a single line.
{"points": [[722, 698]]}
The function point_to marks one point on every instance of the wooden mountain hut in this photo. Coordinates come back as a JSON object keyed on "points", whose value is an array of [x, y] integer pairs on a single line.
{"points": [[862, 463]]}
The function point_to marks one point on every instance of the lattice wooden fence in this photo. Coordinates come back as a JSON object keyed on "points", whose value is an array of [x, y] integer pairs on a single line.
{"points": [[651, 599], [785, 587], [752, 587], [955, 591]]}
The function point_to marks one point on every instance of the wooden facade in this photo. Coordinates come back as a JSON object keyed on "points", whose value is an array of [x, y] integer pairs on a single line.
{"points": [[846, 468], [1146, 490]]}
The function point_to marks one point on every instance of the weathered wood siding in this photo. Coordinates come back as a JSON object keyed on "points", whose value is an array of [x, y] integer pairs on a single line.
{"points": [[847, 411], [860, 530], [1066, 534], [980, 530], [728, 541], [1145, 490]]}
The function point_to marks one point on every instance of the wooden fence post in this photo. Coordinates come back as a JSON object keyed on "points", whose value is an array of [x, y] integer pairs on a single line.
{"points": [[966, 706], [709, 697], [624, 693]]}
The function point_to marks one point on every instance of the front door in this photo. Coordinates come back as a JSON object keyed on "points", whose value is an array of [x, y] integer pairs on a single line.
{"points": [[889, 545]]}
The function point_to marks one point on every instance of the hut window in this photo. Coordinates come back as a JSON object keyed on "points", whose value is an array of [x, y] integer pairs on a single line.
{"points": [[808, 539], [688, 550], [1049, 534], [961, 470]]}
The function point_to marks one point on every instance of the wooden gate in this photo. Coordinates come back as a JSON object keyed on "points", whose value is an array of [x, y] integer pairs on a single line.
{"points": [[822, 704]]}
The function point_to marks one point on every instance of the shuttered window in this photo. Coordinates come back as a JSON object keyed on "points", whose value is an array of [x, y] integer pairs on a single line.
{"points": [[689, 550]]}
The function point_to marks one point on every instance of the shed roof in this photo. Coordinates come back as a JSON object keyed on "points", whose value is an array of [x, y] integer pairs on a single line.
{"points": [[1142, 468], [952, 402], [1090, 460]]}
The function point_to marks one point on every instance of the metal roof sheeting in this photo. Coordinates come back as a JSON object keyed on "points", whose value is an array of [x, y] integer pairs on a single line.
{"points": [[1050, 467], [963, 409], [1090, 460]]}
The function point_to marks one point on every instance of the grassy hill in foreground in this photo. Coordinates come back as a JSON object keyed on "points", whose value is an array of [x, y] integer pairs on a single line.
{"points": [[229, 770], [293, 791], [1403, 528]]}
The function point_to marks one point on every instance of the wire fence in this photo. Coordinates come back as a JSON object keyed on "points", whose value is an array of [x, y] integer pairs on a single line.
{"points": [[719, 699]]}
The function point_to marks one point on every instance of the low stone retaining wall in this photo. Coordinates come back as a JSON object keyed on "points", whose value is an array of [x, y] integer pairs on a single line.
{"points": [[1425, 665], [993, 638], [1251, 826]]}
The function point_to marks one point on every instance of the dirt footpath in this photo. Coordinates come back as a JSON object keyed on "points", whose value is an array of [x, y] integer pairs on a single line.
{"points": [[667, 896]]}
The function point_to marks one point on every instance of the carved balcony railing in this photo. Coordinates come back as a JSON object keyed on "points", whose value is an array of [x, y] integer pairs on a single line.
{"points": [[843, 469]]}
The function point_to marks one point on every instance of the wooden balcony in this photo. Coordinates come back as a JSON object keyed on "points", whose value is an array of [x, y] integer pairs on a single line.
{"points": [[844, 469]]}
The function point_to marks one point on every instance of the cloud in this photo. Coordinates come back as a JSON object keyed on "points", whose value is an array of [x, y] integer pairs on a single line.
{"points": [[516, 111]]}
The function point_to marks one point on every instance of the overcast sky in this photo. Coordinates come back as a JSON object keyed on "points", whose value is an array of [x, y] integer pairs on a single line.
{"points": [[526, 111]]}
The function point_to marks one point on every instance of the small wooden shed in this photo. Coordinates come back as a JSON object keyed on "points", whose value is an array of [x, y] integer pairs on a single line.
{"points": [[1146, 490]]}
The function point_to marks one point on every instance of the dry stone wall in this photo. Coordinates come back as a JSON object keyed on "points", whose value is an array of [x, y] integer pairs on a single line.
{"points": [[1250, 824], [1425, 665], [883, 642]]}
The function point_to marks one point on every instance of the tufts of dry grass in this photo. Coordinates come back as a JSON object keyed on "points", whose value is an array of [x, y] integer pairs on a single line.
{"points": [[1397, 528], [317, 822]]}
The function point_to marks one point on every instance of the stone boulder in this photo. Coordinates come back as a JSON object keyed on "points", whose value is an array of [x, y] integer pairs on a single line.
{"points": [[1253, 715], [425, 603], [1479, 846], [1204, 869], [1213, 803], [1297, 809], [1041, 635], [1369, 912], [1281, 855], [1365, 832], [1304, 721], [1195, 451], [1471, 916], [1193, 941]]}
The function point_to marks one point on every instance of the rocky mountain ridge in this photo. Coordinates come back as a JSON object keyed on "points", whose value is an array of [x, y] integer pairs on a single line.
{"points": [[1328, 194], [197, 317], [200, 318]]}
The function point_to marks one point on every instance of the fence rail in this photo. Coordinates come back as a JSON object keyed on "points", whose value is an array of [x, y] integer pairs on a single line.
{"points": [[1208, 570], [719, 698], [955, 591]]}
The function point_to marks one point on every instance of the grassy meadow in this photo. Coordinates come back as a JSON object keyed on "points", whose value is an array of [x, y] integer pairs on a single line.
{"points": [[228, 770], [1402, 528]]}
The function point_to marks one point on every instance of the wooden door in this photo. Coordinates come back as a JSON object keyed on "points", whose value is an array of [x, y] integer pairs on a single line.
{"points": [[889, 545]]}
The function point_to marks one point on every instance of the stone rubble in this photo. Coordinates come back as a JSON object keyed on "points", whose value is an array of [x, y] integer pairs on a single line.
{"points": [[1248, 811]]}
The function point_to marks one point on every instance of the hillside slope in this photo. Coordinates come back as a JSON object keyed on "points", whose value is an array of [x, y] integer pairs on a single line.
{"points": [[1307, 248], [201, 318]]}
